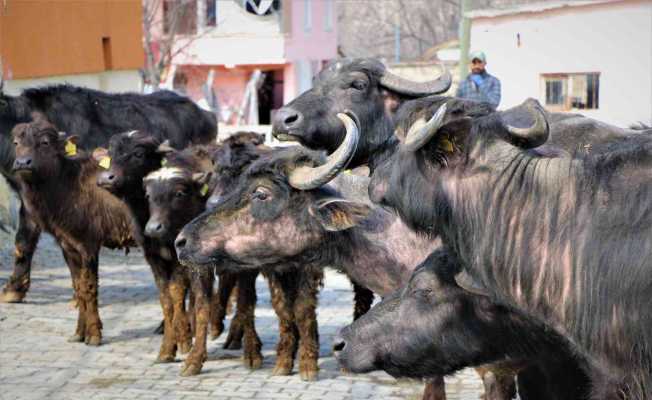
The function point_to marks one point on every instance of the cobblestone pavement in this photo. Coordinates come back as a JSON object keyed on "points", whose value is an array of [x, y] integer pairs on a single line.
{"points": [[36, 362]]}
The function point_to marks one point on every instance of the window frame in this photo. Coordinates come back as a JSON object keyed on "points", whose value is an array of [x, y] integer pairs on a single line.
{"points": [[567, 82]]}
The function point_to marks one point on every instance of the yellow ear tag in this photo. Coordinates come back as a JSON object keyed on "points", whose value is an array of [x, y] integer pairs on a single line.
{"points": [[447, 145], [204, 190], [164, 162], [71, 148], [105, 162]]}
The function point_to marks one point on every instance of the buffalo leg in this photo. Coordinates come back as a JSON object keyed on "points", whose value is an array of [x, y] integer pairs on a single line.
{"points": [[178, 287], [362, 300], [499, 383], [220, 302], [282, 289], [305, 317], [253, 358], [201, 283], [26, 240], [168, 349], [74, 262], [88, 295], [435, 389]]}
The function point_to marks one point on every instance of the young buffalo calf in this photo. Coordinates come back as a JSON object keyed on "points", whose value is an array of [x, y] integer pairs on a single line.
{"points": [[58, 188], [177, 193], [132, 156]]}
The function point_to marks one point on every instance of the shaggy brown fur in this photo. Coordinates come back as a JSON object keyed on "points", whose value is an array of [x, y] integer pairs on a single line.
{"points": [[58, 189]]}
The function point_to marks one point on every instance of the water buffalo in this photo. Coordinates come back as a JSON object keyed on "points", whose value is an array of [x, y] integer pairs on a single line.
{"points": [[455, 329], [56, 183], [131, 157], [363, 86], [563, 238], [93, 116]]}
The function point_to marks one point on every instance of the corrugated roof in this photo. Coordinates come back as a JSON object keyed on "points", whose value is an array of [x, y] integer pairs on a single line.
{"points": [[533, 8]]}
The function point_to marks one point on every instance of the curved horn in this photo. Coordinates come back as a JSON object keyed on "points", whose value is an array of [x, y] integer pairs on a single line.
{"points": [[537, 134], [421, 132], [306, 178], [417, 89]]}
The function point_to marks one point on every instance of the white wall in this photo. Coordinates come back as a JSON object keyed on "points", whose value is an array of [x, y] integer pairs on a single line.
{"points": [[112, 81], [614, 39]]}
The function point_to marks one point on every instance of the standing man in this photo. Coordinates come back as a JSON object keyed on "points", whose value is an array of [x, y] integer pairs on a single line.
{"points": [[479, 85]]}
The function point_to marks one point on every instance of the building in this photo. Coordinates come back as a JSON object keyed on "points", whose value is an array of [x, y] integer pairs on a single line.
{"points": [[262, 53], [592, 57], [97, 44]]}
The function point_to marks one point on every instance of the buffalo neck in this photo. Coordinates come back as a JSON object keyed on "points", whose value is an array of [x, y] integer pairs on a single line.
{"points": [[380, 254], [543, 235]]}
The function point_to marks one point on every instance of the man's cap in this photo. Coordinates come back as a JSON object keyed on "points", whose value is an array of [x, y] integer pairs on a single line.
{"points": [[478, 55]]}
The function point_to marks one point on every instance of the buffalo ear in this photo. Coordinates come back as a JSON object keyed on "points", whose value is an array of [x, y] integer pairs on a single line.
{"points": [[99, 153], [470, 284], [165, 148], [202, 177], [338, 214]]}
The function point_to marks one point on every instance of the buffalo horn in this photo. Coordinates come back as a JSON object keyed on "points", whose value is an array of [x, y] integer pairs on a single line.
{"points": [[466, 282], [417, 89], [421, 132], [306, 178], [537, 134]]}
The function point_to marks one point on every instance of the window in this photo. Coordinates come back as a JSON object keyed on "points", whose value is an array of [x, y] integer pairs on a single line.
{"points": [[211, 13], [328, 15], [307, 15], [572, 91]]}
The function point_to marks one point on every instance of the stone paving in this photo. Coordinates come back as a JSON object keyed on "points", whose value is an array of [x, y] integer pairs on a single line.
{"points": [[36, 362]]}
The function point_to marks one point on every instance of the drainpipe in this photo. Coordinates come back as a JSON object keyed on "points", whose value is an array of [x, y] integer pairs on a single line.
{"points": [[465, 39]]}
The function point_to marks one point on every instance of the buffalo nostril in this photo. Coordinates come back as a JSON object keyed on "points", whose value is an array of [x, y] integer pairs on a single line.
{"points": [[110, 178], [28, 161], [180, 243], [339, 345], [290, 119]]}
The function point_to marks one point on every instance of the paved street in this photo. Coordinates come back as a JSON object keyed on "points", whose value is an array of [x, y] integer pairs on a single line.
{"points": [[36, 362]]}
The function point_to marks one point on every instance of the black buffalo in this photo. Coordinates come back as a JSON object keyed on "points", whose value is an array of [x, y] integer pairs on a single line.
{"points": [[92, 116], [456, 329], [363, 86], [563, 238]]}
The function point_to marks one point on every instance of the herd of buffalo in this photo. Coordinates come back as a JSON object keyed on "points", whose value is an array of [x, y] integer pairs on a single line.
{"points": [[518, 242]]}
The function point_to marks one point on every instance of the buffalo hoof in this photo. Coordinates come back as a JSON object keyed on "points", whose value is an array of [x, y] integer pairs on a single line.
{"points": [[93, 341], [282, 370], [308, 375], [184, 347], [254, 361], [75, 338], [164, 359], [190, 370], [12, 296], [160, 329]]}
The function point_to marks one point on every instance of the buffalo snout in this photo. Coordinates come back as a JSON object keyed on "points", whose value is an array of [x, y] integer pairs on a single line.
{"points": [[107, 179], [155, 229], [285, 121], [23, 164]]}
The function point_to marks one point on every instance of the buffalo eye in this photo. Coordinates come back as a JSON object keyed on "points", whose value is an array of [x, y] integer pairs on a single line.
{"points": [[426, 292], [181, 193], [261, 193], [359, 84], [45, 142], [139, 154]]}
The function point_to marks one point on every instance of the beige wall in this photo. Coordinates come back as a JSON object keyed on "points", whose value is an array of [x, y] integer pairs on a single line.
{"points": [[614, 39]]}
